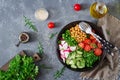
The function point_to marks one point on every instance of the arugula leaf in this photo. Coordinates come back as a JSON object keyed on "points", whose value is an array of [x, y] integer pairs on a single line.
{"points": [[67, 37], [40, 48], [59, 73], [52, 35], [30, 24], [90, 58]]}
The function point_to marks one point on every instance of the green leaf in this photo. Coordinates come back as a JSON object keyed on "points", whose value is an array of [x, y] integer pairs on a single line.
{"points": [[52, 35], [108, 32], [30, 24], [59, 73], [40, 48], [20, 68]]}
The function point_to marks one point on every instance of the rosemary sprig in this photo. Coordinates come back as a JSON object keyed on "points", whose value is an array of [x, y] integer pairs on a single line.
{"points": [[52, 35], [30, 24], [40, 48], [59, 73]]}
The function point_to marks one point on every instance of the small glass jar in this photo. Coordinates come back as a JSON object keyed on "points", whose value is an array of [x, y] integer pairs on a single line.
{"points": [[41, 14], [98, 10]]}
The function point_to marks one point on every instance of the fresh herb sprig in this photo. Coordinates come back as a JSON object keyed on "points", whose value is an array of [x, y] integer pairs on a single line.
{"points": [[52, 35], [40, 48], [20, 68], [30, 24], [59, 73]]}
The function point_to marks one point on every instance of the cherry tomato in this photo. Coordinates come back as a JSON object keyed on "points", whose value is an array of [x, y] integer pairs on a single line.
{"points": [[99, 45], [87, 41], [94, 41], [91, 37], [87, 47], [77, 7], [98, 52], [51, 25], [81, 45]]}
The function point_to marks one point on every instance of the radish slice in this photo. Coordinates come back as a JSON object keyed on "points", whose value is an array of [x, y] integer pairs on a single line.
{"points": [[61, 47], [61, 52], [65, 50], [63, 57], [63, 42], [64, 60], [66, 54], [65, 46]]}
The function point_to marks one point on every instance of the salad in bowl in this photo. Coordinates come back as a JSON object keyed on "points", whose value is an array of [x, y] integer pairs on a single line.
{"points": [[78, 50]]}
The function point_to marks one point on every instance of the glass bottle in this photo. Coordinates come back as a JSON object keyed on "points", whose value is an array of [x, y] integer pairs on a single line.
{"points": [[98, 10]]}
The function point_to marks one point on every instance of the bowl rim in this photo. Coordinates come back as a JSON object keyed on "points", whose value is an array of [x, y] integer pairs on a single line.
{"points": [[94, 26]]}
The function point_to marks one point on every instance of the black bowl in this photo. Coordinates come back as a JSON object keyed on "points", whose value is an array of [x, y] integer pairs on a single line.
{"points": [[98, 31]]}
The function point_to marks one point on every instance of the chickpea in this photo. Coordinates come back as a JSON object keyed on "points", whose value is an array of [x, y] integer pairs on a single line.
{"points": [[77, 34]]}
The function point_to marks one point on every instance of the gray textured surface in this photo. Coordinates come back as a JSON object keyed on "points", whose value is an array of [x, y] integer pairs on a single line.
{"points": [[61, 12]]}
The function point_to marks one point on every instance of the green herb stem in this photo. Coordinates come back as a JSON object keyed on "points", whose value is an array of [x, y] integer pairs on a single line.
{"points": [[59, 73], [30, 24], [52, 35], [40, 48]]}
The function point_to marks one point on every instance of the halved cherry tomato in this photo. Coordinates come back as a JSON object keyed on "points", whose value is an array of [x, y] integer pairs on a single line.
{"points": [[99, 45], [94, 41], [77, 7], [81, 45], [87, 41], [51, 25], [98, 52], [87, 47], [91, 37]]}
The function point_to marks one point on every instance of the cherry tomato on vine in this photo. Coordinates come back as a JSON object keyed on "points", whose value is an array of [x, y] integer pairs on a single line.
{"points": [[77, 7]]}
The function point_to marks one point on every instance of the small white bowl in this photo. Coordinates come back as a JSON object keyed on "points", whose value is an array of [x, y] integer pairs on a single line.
{"points": [[41, 14]]}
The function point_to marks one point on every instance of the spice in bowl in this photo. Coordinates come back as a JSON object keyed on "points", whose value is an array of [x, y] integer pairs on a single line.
{"points": [[23, 38]]}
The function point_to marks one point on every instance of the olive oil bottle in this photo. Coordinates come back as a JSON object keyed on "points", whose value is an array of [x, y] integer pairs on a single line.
{"points": [[98, 10]]}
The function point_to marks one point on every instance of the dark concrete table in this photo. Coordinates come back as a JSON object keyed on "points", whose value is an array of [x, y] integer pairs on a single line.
{"points": [[61, 12]]}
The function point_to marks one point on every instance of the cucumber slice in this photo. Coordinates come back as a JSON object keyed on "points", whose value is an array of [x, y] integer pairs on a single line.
{"points": [[71, 62], [79, 58], [79, 52], [67, 61], [81, 64], [72, 55], [73, 66], [78, 55]]}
